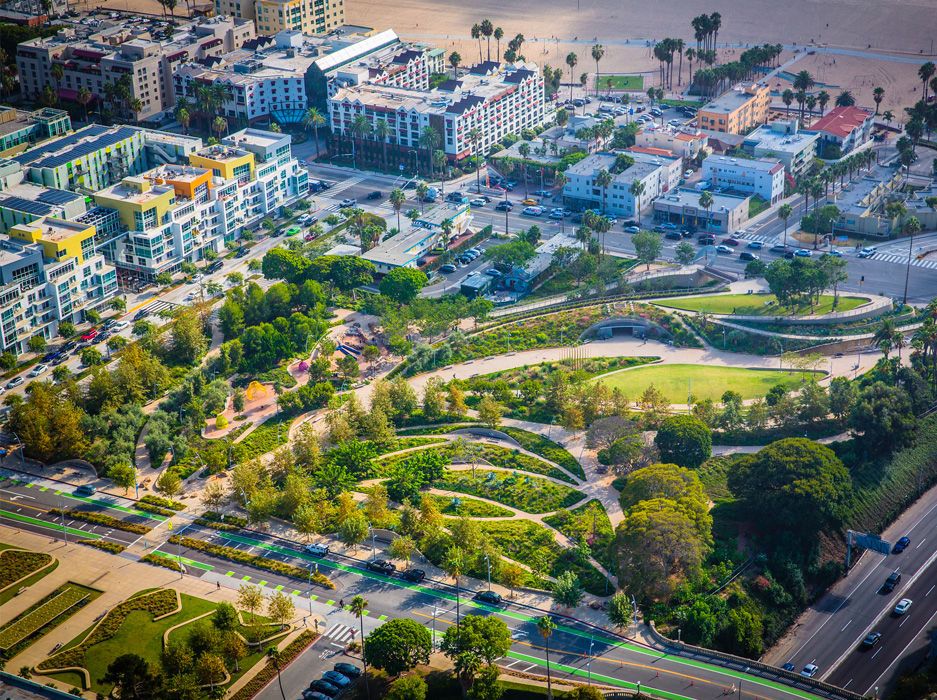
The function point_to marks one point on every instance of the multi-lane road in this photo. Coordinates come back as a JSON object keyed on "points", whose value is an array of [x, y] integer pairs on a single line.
{"points": [[576, 649]]}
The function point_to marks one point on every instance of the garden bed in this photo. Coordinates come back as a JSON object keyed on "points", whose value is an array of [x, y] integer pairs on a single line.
{"points": [[42, 617], [111, 547], [530, 494], [162, 502], [590, 521], [17, 564], [458, 506], [102, 520]]}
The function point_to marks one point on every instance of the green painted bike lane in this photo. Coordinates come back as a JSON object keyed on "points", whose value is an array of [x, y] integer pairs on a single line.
{"points": [[92, 501], [51, 525], [627, 646], [187, 562]]}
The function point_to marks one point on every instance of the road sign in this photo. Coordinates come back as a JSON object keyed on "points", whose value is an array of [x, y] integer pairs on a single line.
{"points": [[870, 541]]}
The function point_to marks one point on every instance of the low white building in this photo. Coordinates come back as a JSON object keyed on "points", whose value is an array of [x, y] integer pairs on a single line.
{"points": [[785, 141], [679, 142], [407, 247], [670, 163], [764, 178], [581, 187]]}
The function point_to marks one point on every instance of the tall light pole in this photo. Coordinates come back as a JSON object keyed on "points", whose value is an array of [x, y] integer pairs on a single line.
{"points": [[373, 551], [589, 665], [434, 626], [64, 529], [488, 563], [22, 451]]}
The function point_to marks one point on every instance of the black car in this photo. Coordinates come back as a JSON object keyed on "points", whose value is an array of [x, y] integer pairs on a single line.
{"points": [[375, 195], [871, 640], [241, 252], [901, 545], [488, 597], [382, 567], [630, 222], [411, 185], [325, 688], [347, 670], [69, 346], [141, 314], [411, 575], [215, 266], [504, 206], [673, 235], [893, 580]]}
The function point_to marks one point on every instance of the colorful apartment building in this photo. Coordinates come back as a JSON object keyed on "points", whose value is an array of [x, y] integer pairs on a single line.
{"points": [[736, 111]]}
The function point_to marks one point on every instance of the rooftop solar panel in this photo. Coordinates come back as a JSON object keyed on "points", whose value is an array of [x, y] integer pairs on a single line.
{"points": [[27, 205]]}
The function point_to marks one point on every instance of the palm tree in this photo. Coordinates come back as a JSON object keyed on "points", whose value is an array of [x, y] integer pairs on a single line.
{"points": [[823, 99], [678, 46], [785, 211], [690, 55], [499, 33], [136, 106], [57, 72], [811, 103], [803, 81], [477, 34], [706, 202], [801, 98], [878, 94], [583, 235], [559, 179], [845, 99], [357, 608], [446, 226], [183, 117], [597, 53], [359, 128], [912, 226], [817, 190], [571, 60], [487, 30], [925, 72], [422, 190], [545, 627], [84, 97], [884, 337], [787, 97], [603, 179], [397, 199], [382, 130], [430, 140], [314, 117], [276, 657], [454, 60], [474, 134], [636, 190], [524, 150], [218, 125], [455, 565]]}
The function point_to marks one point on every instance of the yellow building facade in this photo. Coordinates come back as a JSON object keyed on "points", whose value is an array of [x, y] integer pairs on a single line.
{"points": [[736, 111], [141, 203], [59, 239]]}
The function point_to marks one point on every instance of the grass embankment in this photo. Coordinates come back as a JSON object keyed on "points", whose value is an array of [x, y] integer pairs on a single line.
{"points": [[530, 494], [761, 305], [674, 381]]}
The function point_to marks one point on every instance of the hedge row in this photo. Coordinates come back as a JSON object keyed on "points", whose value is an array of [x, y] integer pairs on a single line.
{"points": [[16, 564], [259, 562], [155, 510], [215, 525], [156, 603], [162, 502], [157, 560], [104, 520], [267, 673], [111, 547], [220, 518]]}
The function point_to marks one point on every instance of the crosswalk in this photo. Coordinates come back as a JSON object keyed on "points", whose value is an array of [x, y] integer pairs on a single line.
{"points": [[903, 260], [343, 185], [157, 306], [340, 634]]}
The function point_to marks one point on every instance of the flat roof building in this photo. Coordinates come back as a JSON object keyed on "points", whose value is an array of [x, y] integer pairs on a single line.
{"points": [[407, 247], [581, 187], [785, 141], [764, 178], [681, 207], [736, 110]]}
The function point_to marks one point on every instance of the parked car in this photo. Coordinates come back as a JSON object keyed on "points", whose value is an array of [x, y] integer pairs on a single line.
{"points": [[809, 671], [488, 597], [673, 235], [901, 545], [492, 272], [447, 268], [374, 195], [382, 567], [803, 253], [119, 326], [347, 670], [90, 335], [894, 578], [85, 490], [688, 173], [348, 203], [631, 229], [336, 678], [39, 369], [543, 193], [242, 252], [325, 688], [903, 606], [669, 226], [834, 253], [215, 266], [320, 550], [871, 640], [313, 695], [868, 252], [413, 575], [756, 245], [530, 202], [15, 382]]}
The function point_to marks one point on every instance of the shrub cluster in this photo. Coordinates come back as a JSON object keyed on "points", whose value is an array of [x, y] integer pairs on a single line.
{"points": [[111, 547], [162, 502], [547, 449], [157, 560], [16, 564], [155, 510], [215, 525], [259, 562], [104, 520]]}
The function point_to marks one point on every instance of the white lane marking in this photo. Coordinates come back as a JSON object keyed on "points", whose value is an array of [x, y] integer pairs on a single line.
{"points": [[847, 625], [929, 590], [876, 652], [922, 542]]}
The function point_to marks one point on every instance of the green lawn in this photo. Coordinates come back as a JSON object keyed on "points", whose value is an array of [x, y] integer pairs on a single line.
{"points": [[620, 82], [756, 305], [525, 492], [708, 382]]}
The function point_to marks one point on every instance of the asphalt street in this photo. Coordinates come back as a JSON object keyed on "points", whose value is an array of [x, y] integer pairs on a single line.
{"points": [[576, 649]]}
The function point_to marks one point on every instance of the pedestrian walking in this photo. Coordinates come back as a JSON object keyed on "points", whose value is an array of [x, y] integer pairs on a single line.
{"points": [[341, 603]]}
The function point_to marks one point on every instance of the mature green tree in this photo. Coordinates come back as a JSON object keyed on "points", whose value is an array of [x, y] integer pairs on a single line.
{"points": [[567, 591], [131, 677], [489, 412], [354, 530], [795, 485], [407, 688], [684, 253], [487, 637], [620, 610], [516, 252], [122, 475], [668, 481], [398, 646], [282, 264], [882, 417], [685, 441], [647, 246], [402, 284]]}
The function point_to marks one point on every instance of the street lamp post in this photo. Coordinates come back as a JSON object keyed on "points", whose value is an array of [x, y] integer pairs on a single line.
{"points": [[488, 563], [22, 451], [373, 550], [591, 643], [64, 529], [434, 627]]}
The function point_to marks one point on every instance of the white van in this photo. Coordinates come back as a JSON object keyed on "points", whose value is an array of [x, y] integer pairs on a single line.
{"points": [[702, 185], [320, 550]]}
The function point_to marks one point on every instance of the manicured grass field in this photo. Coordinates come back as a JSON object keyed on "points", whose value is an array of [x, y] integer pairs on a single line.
{"points": [[620, 82], [708, 382], [756, 305]]}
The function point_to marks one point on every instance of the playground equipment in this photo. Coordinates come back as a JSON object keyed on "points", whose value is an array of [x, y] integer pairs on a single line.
{"points": [[254, 389]]}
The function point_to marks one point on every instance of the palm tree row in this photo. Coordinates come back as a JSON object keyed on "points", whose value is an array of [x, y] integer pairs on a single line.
{"points": [[749, 65], [706, 31], [207, 105], [487, 29]]}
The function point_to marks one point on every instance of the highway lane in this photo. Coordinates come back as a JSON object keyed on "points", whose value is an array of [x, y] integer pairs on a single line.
{"points": [[433, 604], [26, 506]]}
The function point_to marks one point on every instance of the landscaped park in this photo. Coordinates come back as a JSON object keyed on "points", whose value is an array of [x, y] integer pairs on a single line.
{"points": [[764, 305], [631, 83]]}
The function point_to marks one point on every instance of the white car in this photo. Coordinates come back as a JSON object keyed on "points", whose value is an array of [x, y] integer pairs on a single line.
{"points": [[119, 326], [688, 173], [724, 249], [868, 252], [533, 211], [903, 606], [477, 202], [809, 671], [38, 369]]}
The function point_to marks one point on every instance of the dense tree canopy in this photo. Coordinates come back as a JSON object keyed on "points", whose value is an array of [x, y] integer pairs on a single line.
{"points": [[684, 440], [402, 284], [795, 485], [398, 646]]}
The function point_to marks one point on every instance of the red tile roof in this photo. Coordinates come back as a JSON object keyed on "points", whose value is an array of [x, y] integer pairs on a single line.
{"points": [[841, 121], [652, 151]]}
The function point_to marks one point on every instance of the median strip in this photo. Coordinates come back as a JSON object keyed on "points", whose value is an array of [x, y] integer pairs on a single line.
{"points": [[36, 521]]}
